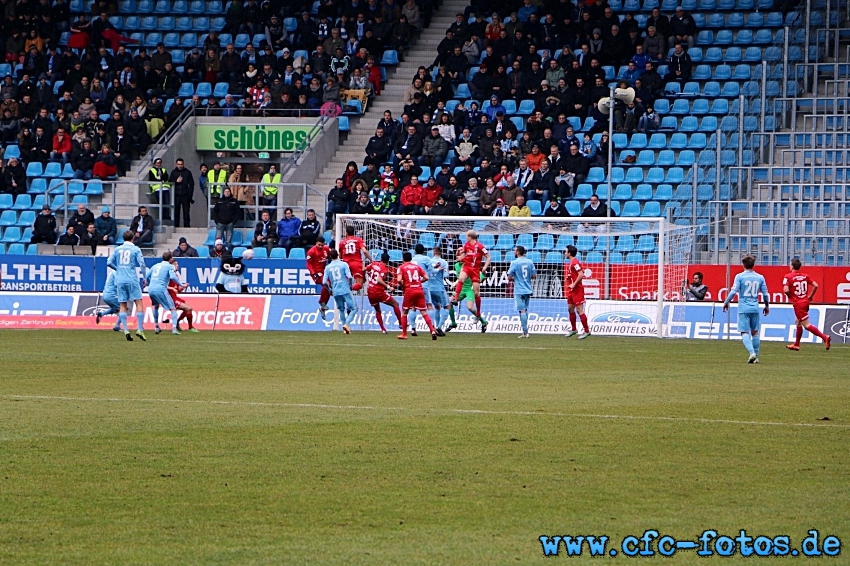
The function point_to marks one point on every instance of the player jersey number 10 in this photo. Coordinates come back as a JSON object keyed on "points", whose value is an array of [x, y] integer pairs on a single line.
{"points": [[350, 248]]}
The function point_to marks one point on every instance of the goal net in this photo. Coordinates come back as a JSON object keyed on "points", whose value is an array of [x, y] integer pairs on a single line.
{"points": [[632, 269]]}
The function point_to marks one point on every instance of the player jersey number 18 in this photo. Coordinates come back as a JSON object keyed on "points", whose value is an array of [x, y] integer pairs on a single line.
{"points": [[125, 257]]}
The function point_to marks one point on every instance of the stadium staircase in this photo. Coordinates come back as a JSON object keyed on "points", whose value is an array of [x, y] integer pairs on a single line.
{"points": [[423, 53]]}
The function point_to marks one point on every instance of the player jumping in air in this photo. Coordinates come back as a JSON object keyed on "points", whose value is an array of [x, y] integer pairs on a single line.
{"points": [[747, 286], [110, 297], [424, 262], [801, 289], [124, 260], [412, 277], [575, 294], [377, 285], [317, 259], [437, 289], [338, 278], [158, 279], [184, 307], [351, 251], [472, 254], [467, 294], [521, 272]]}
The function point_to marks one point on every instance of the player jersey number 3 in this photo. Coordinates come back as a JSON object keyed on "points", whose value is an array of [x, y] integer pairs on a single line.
{"points": [[350, 248], [155, 271], [751, 289]]}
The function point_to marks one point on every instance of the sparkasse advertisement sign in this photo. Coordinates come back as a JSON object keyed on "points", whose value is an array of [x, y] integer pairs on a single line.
{"points": [[217, 137]]}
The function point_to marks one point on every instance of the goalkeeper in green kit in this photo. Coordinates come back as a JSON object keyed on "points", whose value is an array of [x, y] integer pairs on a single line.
{"points": [[468, 294]]}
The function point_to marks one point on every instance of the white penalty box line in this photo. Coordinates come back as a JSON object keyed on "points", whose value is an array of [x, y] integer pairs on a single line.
{"points": [[423, 410]]}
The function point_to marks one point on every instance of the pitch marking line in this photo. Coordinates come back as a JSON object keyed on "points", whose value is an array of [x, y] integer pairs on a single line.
{"points": [[444, 411]]}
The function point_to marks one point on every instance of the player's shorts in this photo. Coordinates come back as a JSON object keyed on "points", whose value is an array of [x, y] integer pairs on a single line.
{"points": [[318, 278], [576, 297], [748, 321], [473, 274], [414, 300], [801, 310], [439, 298], [467, 293], [111, 300], [522, 302], [378, 295], [177, 300], [128, 291], [161, 298], [356, 268], [345, 303]]}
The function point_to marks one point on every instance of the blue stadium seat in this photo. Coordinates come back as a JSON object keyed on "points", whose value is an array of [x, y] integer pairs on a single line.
{"points": [[34, 169], [745, 36], [678, 140], [238, 251], [638, 141], [735, 20], [623, 191], [6, 202], [665, 158], [280, 253], [203, 252], [149, 23], [171, 40], [705, 37], [132, 23], [504, 242], [526, 107], [210, 238], [657, 141], [733, 55], [722, 73], [752, 54], [94, 188], [152, 39], [651, 209], [462, 92], [197, 7], [518, 122], [676, 175], [32, 249], [553, 257], [525, 240], [631, 209], [584, 243], [711, 89], [663, 192], [296, 253], [37, 187], [689, 124], [707, 158], [184, 23], [595, 175], [204, 90], [9, 218], [583, 192], [730, 90], [696, 141], [646, 158], [774, 20], [186, 90], [700, 107], [685, 158], [166, 24], [344, 124], [11, 235], [545, 242], [708, 124], [655, 175], [643, 192], [178, 56], [291, 24], [262, 253], [535, 207], [53, 170], [215, 7], [719, 106], [22, 202], [11, 150], [162, 7], [242, 39]]}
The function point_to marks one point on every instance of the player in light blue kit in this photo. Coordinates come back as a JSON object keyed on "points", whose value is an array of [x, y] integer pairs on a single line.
{"points": [[521, 272], [124, 260], [110, 297], [339, 280], [158, 278], [747, 286], [437, 289], [424, 262]]}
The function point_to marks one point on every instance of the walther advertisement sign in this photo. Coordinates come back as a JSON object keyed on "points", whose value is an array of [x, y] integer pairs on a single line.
{"points": [[215, 137]]}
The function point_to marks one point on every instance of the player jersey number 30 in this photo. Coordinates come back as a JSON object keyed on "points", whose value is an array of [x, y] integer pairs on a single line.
{"points": [[801, 289]]}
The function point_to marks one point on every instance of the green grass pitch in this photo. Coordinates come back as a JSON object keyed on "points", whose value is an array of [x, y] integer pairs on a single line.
{"points": [[319, 448]]}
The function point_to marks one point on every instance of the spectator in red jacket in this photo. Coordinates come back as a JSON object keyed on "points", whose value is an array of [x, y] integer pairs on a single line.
{"points": [[61, 147], [411, 196], [430, 192]]}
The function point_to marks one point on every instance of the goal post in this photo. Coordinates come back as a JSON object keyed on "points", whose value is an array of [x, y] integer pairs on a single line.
{"points": [[633, 267]]}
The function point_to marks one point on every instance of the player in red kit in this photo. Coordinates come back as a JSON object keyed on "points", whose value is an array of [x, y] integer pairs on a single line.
{"points": [[181, 305], [412, 277], [801, 288], [317, 259], [351, 251], [473, 254], [377, 285], [575, 293]]}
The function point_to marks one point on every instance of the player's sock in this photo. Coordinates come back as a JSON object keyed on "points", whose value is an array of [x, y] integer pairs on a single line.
{"points": [[325, 296], [584, 325], [441, 317], [411, 320], [452, 315], [403, 321], [799, 335], [573, 320], [478, 303], [523, 319], [156, 316], [433, 315], [380, 318], [756, 344], [350, 317], [181, 317], [748, 343], [122, 321], [458, 289], [429, 322], [140, 321], [175, 315], [188, 317], [397, 311], [814, 330]]}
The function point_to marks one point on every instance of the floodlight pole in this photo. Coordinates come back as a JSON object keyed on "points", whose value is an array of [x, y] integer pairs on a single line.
{"points": [[610, 192]]}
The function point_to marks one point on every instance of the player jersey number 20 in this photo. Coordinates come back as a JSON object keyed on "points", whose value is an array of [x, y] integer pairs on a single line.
{"points": [[751, 289]]}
